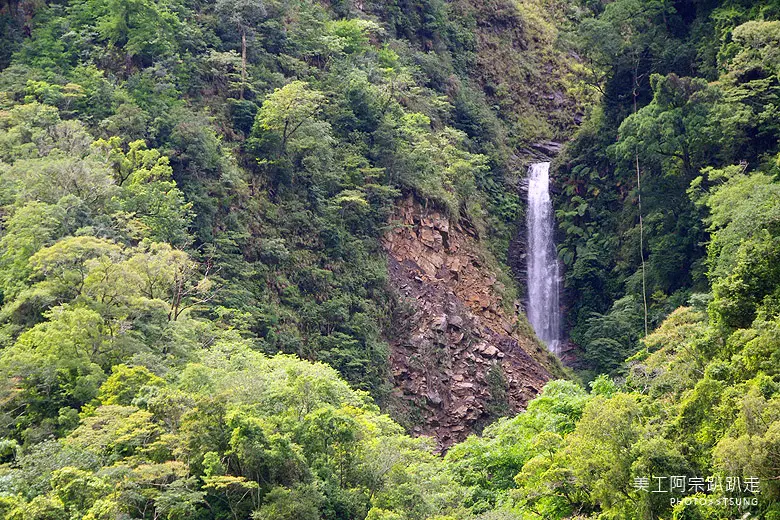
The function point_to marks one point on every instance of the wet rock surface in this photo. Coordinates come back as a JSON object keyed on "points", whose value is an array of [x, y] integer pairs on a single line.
{"points": [[458, 355]]}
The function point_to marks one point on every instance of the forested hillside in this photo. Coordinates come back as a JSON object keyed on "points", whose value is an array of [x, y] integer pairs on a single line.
{"points": [[252, 249]]}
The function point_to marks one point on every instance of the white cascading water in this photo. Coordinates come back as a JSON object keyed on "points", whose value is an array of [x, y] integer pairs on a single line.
{"points": [[544, 311]]}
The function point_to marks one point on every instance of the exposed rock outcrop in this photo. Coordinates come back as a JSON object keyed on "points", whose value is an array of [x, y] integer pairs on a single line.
{"points": [[460, 357]]}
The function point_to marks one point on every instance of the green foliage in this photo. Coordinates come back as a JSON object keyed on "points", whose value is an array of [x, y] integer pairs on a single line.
{"points": [[291, 441], [290, 111], [268, 141], [435, 167], [488, 465], [189, 189], [125, 384], [612, 337], [681, 132]]}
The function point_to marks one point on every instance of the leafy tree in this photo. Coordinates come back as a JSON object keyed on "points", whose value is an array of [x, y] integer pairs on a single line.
{"points": [[302, 503], [677, 130], [125, 384], [613, 337], [600, 449], [291, 110], [26, 231], [139, 30]]}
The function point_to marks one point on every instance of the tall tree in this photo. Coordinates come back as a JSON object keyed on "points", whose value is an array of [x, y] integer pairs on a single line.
{"points": [[243, 15]]}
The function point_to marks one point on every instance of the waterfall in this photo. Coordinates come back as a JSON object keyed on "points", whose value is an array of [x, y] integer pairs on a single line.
{"points": [[544, 311]]}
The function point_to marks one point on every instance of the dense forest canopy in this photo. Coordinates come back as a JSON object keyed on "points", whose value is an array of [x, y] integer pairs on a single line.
{"points": [[195, 310]]}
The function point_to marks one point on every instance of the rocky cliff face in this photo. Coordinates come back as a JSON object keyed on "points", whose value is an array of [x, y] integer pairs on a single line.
{"points": [[460, 357]]}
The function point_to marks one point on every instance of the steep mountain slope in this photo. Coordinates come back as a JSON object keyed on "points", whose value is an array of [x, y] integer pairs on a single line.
{"points": [[687, 87], [268, 144], [205, 204]]}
